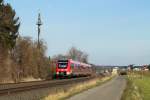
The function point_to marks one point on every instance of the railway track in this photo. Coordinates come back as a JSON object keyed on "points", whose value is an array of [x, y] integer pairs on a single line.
{"points": [[8, 89]]}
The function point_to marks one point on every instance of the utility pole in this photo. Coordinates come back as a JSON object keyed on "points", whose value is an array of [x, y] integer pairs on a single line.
{"points": [[39, 23]]}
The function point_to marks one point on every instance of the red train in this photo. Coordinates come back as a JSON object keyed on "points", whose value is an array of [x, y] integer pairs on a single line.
{"points": [[71, 68]]}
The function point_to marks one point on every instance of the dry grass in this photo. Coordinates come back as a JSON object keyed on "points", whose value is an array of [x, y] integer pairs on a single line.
{"points": [[131, 92], [138, 86], [63, 94], [29, 79]]}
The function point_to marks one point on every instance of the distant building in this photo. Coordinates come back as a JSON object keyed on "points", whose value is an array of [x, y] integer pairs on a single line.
{"points": [[115, 70], [136, 69], [145, 68]]}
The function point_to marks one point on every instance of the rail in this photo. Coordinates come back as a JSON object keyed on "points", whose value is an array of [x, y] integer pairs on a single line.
{"points": [[14, 88]]}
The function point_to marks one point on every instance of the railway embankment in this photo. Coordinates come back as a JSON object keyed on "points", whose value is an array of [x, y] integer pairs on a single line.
{"points": [[138, 86], [63, 94], [50, 90], [36, 90]]}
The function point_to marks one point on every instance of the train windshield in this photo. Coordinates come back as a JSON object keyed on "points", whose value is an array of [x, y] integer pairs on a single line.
{"points": [[62, 65]]}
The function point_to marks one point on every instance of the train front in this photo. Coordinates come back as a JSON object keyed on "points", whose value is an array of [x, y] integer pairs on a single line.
{"points": [[62, 68]]}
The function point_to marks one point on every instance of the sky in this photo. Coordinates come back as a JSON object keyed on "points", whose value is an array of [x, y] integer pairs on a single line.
{"points": [[112, 32]]}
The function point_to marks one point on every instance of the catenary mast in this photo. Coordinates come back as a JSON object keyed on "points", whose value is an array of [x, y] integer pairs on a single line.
{"points": [[39, 23]]}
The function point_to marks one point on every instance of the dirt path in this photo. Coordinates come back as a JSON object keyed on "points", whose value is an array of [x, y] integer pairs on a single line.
{"points": [[111, 90]]}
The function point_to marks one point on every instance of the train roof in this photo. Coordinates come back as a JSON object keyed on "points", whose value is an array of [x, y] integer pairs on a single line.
{"points": [[76, 62], [80, 63]]}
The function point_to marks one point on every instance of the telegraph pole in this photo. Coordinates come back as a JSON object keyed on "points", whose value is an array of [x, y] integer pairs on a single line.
{"points": [[39, 23]]}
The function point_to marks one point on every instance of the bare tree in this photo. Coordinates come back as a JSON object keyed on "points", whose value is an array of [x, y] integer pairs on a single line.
{"points": [[84, 58], [77, 54], [58, 57], [29, 60]]}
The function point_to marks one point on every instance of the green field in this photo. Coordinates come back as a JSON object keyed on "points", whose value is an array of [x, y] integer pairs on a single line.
{"points": [[138, 86]]}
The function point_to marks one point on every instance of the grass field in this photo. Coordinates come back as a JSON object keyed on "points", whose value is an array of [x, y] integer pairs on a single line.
{"points": [[138, 86]]}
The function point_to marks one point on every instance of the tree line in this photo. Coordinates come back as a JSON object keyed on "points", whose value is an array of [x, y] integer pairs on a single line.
{"points": [[20, 56], [73, 53]]}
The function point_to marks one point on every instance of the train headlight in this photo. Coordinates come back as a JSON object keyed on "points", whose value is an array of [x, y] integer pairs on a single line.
{"points": [[57, 72], [68, 73]]}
